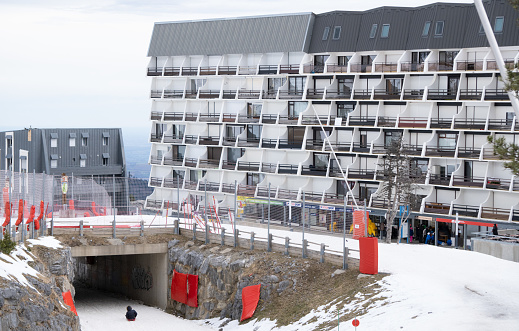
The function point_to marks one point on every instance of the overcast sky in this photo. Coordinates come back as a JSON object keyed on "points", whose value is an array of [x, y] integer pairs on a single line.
{"points": [[72, 63]]}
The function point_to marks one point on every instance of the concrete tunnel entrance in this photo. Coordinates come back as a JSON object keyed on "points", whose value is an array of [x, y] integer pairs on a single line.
{"points": [[138, 272]]}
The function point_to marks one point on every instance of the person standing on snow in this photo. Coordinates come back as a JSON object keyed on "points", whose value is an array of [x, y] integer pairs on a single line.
{"points": [[130, 314]]}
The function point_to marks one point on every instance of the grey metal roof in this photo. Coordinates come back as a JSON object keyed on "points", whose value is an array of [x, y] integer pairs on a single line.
{"points": [[261, 34]]}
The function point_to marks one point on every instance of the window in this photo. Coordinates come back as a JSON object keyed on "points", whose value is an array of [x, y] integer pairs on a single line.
{"points": [[53, 139], [296, 84], [254, 110], [106, 135], [498, 24], [233, 131], [54, 161], [72, 142], [438, 31], [481, 30], [82, 160], [295, 108], [343, 109], [84, 141], [253, 132], [234, 153], [373, 32], [106, 157], [343, 60], [336, 32], [321, 160], [385, 31], [426, 28], [326, 32]]}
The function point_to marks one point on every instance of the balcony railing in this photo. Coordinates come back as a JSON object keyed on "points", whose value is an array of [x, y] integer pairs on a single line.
{"points": [[268, 143], [191, 117], [362, 94], [437, 207], [471, 94], [315, 93], [268, 167], [470, 123], [248, 119], [209, 94], [386, 67], [173, 94], [289, 69], [204, 185], [270, 94], [229, 94], [495, 213], [246, 190], [362, 120], [229, 117], [156, 137], [437, 179], [249, 94], [440, 66], [171, 71], [499, 184], [411, 67], [173, 182], [209, 163], [228, 165], [496, 94], [413, 94], [312, 68], [229, 141], [315, 145], [248, 142], [469, 152], [155, 159], [175, 161], [313, 196], [189, 71], [208, 140], [156, 116], [338, 94], [191, 94], [314, 119], [361, 147], [465, 210], [468, 181], [288, 119], [441, 123], [440, 151], [361, 173], [386, 121], [290, 144], [338, 146], [336, 67], [386, 95], [191, 139], [287, 194], [500, 124], [173, 138], [248, 166], [441, 94], [156, 94], [492, 65], [469, 65], [153, 203], [154, 71], [263, 191], [269, 118], [357, 67], [413, 149], [207, 71], [227, 70], [284, 94], [268, 69], [412, 122], [228, 188], [312, 170], [209, 117], [190, 162], [190, 185], [247, 70], [287, 169], [155, 181], [170, 116]]}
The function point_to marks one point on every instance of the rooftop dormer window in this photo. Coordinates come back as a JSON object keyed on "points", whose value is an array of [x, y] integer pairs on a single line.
{"points": [[326, 32], [498, 24], [426, 28], [385, 31], [373, 31], [438, 31], [336, 33]]}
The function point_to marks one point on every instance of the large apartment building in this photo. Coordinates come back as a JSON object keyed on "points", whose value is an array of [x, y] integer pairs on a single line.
{"points": [[251, 100]]}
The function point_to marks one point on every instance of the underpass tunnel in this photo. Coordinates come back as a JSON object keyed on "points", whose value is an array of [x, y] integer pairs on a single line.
{"points": [[141, 277]]}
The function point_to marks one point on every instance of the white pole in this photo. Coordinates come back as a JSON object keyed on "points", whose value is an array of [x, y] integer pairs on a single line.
{"points": [[495, 49]]}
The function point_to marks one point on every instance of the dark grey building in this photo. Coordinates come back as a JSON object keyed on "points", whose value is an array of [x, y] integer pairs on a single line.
{"points": [[78, 152]]}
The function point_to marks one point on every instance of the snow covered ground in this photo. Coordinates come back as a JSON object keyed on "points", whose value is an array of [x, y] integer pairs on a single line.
{"points": [[429, 288]]}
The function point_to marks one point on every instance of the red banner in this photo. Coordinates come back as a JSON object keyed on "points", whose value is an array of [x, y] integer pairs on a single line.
{"points": [[249, 296]]}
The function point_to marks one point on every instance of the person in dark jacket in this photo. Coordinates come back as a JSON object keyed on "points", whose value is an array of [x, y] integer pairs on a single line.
{"points": [[130, 314], [494, 230]]}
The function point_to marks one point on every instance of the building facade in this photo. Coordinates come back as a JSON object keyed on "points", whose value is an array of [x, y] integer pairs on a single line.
{"points": [[252, 100]]}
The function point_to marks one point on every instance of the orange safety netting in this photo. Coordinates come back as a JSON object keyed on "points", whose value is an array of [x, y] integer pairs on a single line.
{"points": [[249, 297], [7, 214]]}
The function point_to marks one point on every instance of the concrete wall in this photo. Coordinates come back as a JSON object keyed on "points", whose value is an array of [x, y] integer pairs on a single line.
{"points": [[500, 249], [140, 277]]}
